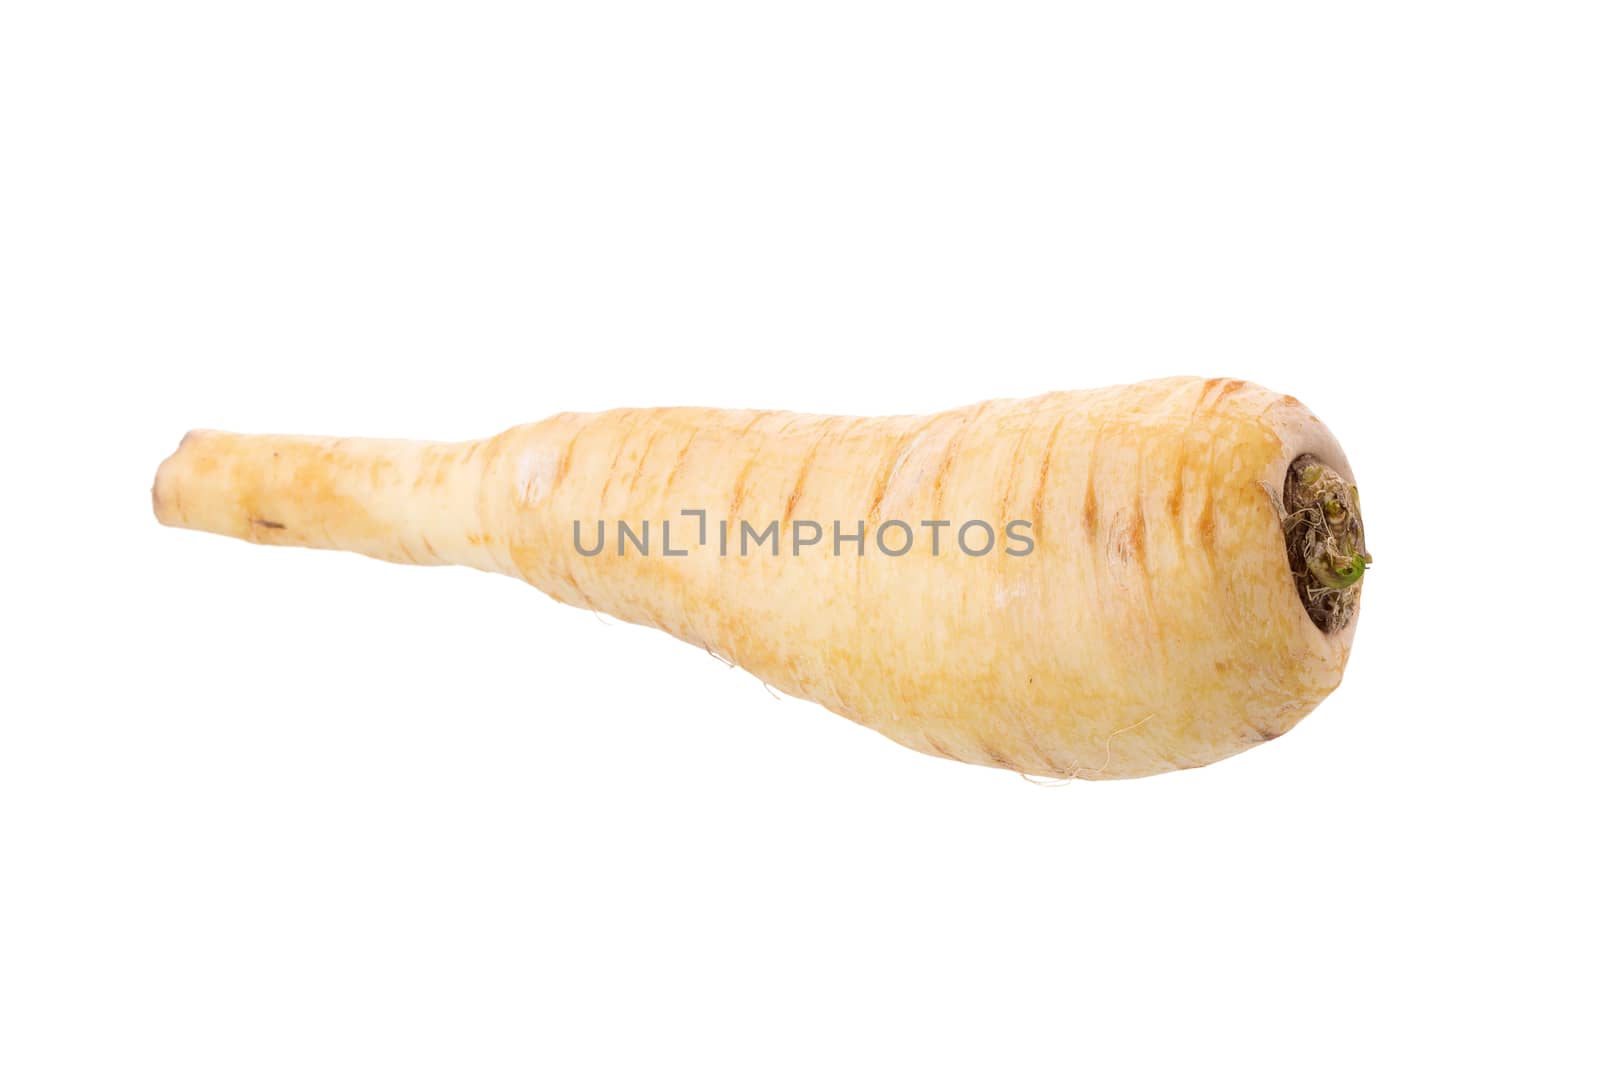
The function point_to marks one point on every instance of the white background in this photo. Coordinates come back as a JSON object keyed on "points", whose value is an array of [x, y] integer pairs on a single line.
{"points": [[264, 806]]}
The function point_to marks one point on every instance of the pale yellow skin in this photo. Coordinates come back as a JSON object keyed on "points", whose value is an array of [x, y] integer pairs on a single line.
{"points": [[1154, 626]]}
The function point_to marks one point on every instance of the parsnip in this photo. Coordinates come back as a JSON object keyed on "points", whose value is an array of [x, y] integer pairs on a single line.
{"points": [[1159, 620]]}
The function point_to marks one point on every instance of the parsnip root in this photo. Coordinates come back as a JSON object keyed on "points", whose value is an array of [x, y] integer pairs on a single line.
{"points": [[1141, 605]]}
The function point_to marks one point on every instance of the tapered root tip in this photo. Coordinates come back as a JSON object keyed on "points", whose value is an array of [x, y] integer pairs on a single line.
{"points": [[165, 491]]}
